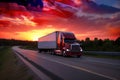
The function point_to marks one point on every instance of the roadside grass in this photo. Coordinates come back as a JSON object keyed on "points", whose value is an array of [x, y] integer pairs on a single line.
{"points": [[100, 55], [11, 68]]}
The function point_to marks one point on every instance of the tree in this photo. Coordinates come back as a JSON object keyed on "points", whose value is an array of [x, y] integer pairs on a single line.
{"points": [[117, 41], [87, 39]]}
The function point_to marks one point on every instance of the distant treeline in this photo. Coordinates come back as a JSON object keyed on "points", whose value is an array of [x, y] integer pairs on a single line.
{"points": [[100, 45], [13, 42], [87, 44]]}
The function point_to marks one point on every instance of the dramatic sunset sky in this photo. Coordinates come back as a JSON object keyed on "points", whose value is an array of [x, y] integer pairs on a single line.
{"points": [[85, 18]]}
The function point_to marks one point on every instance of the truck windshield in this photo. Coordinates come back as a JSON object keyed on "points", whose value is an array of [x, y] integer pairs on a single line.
{"points": [[69, 40]]}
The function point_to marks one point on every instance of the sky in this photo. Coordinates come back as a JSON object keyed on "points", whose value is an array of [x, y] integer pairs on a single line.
{"points": [[85, 18], [114, 3]]}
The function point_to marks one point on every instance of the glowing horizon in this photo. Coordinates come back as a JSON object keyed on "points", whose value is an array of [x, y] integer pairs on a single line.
{"points": [[17, 22]]}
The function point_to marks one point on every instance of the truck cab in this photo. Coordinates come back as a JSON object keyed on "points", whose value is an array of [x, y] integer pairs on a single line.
{"points": [[68, 45]]}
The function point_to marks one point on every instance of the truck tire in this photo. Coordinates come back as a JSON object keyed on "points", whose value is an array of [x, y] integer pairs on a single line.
{"points": [[52, 53], [78, 56], [39, 51]]}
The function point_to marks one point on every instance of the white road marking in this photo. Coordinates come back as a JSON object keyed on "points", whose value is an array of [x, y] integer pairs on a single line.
{"points": [[79, 68]]}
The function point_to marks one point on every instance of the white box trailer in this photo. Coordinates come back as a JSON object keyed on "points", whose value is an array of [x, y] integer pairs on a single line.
{"points": [[48, 42]]}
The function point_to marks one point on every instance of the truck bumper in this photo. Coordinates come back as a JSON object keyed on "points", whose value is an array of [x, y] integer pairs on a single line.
{"points": [[68, 53]]}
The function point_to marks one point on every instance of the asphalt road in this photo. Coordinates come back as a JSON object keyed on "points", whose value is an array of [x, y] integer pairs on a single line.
{"points": [[84, 68]]}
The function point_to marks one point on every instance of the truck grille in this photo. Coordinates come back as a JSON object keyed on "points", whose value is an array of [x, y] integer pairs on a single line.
{"points": [[75, 48]]}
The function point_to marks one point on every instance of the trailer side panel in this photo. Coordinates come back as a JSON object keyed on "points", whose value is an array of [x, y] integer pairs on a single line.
{"points": [[48, 41]]}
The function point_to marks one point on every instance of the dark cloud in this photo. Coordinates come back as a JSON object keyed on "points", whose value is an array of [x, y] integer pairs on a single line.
{"points": [[29, 4], [16, 18], [92, 7]]}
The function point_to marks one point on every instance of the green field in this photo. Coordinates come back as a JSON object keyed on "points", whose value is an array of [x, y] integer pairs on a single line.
{"points": [[11, 68]]}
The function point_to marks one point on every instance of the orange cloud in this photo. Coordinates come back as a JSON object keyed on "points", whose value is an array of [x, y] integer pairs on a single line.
{"points": [[4, 23], [114, 32], [31, 34], [22, 20], [29, 25]]}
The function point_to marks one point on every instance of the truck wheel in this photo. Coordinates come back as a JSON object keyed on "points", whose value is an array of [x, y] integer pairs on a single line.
{"points": [[64, 53], [78, 56], [39, 51], [52, 53]]}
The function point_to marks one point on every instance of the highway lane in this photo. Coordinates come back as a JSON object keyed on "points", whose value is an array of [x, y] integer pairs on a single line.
{"points": [[84, 68]]}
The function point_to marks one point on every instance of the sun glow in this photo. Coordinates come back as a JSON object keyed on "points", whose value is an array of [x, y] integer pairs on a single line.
{"points": [[35, 34]]}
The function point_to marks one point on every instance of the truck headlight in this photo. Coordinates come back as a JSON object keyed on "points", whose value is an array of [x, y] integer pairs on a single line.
{"points": [[67, 50]]}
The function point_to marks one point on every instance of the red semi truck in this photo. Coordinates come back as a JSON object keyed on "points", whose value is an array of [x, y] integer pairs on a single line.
{"points": [[61, 43]]}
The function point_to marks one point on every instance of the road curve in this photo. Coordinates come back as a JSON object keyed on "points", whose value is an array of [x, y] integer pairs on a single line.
{"points": [[84, 68]]}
